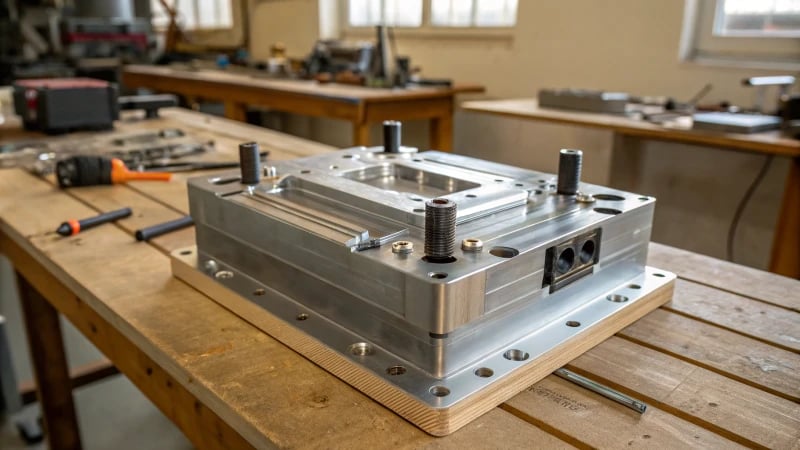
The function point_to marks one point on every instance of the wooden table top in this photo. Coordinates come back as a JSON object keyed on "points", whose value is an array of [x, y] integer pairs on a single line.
{"points": [[332, 91], [719, 366], [771, 142]]}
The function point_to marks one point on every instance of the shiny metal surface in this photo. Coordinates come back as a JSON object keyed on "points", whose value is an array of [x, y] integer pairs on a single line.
{"points": [[332, 237]]}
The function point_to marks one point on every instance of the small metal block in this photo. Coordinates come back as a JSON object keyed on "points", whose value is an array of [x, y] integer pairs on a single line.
{"points": [[402, 247], [270, 171], [472, 245]]}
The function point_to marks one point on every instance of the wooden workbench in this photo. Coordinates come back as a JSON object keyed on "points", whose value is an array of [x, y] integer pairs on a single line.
{"points": [[719, 365], [358, 105], [785, 259]]}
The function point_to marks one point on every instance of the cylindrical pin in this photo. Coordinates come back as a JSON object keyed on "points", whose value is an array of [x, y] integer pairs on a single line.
{"points": [[440, 230], [569, 171], [392, 135], [145, 234], [250, 162]]}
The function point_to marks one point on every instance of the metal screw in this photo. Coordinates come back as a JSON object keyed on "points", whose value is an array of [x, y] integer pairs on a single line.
{"points": [[210, 266], [472, 245], [402, 247], [585, 198]]}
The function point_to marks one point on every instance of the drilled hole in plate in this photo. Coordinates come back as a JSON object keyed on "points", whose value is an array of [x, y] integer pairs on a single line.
{"points": [[634, 286], [611, 197], [259, 292], [396, 370], [186, 252], [518, 184], [437, 275], [616, 298], [659, 275], [305, 171], [419, 210], [587, 251], [416, 199], [484, 372], [565, 261], [302, 316], [223, 275], [417, 160], [499, 180], [361, 349], [504, 252], [471, 196], [516, 355], [573, 324], [537, 192], [334, 167], [347, 156], [611, 211], [644, 199], [440, 391]]}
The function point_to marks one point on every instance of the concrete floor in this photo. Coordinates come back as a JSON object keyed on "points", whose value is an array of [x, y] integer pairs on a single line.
{"points": [[112, 413]]}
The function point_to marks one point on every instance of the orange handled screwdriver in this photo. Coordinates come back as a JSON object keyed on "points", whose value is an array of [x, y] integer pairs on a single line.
{"points": [[94, 170]]}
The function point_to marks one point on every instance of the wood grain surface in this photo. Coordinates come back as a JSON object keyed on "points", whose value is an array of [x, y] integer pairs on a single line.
{"points": [[718, 365]]}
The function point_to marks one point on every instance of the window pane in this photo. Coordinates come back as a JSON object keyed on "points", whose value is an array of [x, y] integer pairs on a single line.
{"points": [[363, 13], [403, 13], [758, 18], [451, 13], [496, 13]]}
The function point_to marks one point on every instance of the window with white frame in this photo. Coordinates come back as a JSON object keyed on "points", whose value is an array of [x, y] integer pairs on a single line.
{"points": [[434, 13], [743, 33], [195, 14]]}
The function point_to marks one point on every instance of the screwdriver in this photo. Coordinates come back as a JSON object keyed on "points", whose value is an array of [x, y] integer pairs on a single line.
{"points": [[73, 227], [94, 170]]}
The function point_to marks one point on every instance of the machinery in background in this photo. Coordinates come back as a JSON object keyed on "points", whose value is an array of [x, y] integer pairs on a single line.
{"points": [[58, 105], [92, 38]]}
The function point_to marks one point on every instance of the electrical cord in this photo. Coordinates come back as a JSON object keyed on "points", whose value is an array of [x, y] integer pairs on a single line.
{"points": [[743, 204]]}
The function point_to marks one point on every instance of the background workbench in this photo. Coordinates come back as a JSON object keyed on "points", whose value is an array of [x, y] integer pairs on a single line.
{"points": [[785, 258], [719, 365], [358, 105]]}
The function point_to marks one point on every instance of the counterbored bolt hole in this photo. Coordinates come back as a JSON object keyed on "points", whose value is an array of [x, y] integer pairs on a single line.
{"points": [[440, 391], [437, 275], [616, 298], [484, 372], [516, 355], [396, 370], [223, 275], [504, 252], [573, 324], [361, 349]]}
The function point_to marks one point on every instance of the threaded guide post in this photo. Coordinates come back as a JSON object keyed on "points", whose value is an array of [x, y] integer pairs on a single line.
{"points": [[569, 171], [440, 230]]}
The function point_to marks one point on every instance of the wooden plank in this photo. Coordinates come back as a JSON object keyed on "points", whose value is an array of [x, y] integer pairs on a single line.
{"points": [[266, 392], [79, 376], [771, 324], [727, 276], [588, 420], [50, 368], [785, 258], [734, 410], [730, 354]]}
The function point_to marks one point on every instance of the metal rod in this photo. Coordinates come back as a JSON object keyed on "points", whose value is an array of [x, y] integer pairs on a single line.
{"points": [[603, 390]]}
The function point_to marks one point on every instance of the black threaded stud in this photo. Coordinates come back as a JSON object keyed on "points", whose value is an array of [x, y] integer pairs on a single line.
{"points": [[440, 230], [569, 171]]}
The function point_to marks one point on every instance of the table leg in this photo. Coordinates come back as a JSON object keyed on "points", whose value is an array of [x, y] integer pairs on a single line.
{"points": [[236, 111], [50, 368], [786, 244], [441, 133], [361, 134]]}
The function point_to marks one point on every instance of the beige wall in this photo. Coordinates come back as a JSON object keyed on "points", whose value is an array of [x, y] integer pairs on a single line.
{"points": [[628, 45]]}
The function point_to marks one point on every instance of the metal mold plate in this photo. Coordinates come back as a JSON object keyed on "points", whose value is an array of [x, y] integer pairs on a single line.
{"points": [[434, 392]]}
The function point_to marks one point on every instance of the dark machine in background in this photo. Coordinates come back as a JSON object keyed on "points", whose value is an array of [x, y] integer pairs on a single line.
{"points": [[47, 38]]}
